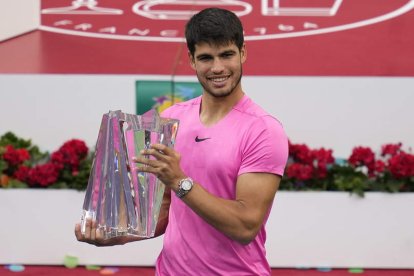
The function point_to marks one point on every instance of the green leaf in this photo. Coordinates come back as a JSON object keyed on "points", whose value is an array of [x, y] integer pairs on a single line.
{"points": [[16, 184], [3, 166], [9, 138], [59, 185]]}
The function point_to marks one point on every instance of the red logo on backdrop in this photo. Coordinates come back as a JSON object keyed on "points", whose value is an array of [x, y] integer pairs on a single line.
{"points": [[163, 20]]}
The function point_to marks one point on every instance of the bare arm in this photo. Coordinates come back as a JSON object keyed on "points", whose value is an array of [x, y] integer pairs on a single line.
{"points": [[94, 236], [240, 218]]}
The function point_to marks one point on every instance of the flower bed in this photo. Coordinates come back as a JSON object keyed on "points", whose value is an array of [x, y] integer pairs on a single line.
{"points": [[392, 170], [303, 227], [316, 169], [23, 165]]}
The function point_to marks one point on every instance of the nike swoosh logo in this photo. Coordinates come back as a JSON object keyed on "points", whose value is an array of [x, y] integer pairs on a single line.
{"points": [[200, 139]]}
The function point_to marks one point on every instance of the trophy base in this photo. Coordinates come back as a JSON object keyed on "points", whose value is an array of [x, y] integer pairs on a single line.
{"points": [[112, 232]]}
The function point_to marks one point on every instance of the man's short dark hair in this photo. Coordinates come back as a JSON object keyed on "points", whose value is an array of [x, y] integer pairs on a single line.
{"points": [[214, 26]]}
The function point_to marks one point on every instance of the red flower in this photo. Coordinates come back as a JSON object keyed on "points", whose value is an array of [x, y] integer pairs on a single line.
{"points": [[309, 163], [401, 165], [323, 156], [321, 172], [70, 154], [299, 171], [22, 173], [379, 166], [391, 149], [363, 156], [43, 175], [300, 153], [58, 159], [15, 157]]}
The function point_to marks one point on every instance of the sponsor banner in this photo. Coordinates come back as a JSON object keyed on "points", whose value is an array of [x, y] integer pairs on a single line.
{"points": [[163, 20], [159, 95], [284, 37]]}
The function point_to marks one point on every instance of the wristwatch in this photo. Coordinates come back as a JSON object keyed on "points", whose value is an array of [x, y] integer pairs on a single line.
{"points": [[184, 186]]}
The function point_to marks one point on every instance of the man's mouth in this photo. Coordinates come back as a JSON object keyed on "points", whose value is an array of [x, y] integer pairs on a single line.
{"points": [[218, 80]]}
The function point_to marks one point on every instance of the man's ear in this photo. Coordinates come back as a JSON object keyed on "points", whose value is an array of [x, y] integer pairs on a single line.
{"points": [[243, 53], [192, 60]]}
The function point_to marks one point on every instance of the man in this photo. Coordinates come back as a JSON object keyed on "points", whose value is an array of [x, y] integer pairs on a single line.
{"points": [[226, 167]]}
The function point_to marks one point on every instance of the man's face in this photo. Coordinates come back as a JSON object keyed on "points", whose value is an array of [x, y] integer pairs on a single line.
{"points": [[218, 68]]}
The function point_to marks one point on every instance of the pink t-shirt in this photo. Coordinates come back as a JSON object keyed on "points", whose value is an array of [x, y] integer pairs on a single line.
{"points": [[246, 140]]}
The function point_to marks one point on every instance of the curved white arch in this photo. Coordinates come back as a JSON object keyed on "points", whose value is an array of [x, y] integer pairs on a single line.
{"points": [[406, 8]]}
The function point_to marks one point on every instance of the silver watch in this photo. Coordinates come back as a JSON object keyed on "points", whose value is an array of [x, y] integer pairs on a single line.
{"points": [[184, 186]]}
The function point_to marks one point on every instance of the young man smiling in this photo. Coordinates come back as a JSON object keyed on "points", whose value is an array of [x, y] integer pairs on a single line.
{"points": [[226, 167]]}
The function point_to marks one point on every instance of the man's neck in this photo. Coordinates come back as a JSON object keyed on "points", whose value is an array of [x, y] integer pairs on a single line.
{"points": [[213, 109]]}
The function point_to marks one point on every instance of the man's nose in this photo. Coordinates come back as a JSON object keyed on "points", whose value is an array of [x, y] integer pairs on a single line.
{"points": [[217, 66]]}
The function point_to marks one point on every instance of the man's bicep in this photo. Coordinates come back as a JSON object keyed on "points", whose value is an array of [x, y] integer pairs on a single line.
{"points": [[257, 191]]}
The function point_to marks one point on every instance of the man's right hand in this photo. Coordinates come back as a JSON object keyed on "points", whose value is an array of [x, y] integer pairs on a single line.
{"points": [[95, 236]]}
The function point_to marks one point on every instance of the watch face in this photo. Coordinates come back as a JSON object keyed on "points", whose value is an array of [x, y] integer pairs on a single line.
{"points": [[186, 185]]}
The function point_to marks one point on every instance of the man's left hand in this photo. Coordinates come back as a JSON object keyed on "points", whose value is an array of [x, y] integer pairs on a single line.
{"points": [[165, 164]]}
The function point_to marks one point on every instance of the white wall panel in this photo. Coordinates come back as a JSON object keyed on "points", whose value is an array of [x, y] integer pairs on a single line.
{"points": [[337, 113], [18, 17], [305, 229]]}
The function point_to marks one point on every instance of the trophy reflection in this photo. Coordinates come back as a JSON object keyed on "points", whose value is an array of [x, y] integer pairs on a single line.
{"points": [[122, 200]]}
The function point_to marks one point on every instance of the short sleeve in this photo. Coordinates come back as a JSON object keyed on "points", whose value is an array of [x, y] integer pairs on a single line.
{"points": [[265, 147]]}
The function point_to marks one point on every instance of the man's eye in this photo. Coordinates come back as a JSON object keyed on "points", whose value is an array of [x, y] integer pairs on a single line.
{"points": [[204, 58], [227, 55]]}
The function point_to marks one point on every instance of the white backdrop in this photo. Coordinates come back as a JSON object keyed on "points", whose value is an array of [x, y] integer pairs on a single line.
{"points": [[333, 112], [311, 229], [18, 17]]}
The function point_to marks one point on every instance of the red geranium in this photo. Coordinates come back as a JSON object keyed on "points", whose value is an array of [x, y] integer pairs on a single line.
{"points": [[22, 173], [321, 172], [43, 175], [379, 166], [22, 164], [363, 156], [70, 154], [300, 153], [308, 163], [321, 159], [58, 159], [401, 165], [300, 171], [323, 156], [390, 149], [15, 157]]}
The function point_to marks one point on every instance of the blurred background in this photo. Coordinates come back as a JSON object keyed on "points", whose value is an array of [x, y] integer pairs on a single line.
{"points": [[338, 74]]}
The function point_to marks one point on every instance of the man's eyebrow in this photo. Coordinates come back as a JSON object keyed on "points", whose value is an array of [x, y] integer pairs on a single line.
{"points": [[228, 52]]}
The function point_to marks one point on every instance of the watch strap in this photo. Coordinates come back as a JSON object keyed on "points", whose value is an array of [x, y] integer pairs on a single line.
{"points": [[182, 192]]}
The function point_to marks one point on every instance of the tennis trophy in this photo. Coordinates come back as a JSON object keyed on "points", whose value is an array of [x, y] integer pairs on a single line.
{"points": [[123, 200]]}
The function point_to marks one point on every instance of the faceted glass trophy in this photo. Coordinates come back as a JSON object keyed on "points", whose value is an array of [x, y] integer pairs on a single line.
{"points": [[121, 199]]}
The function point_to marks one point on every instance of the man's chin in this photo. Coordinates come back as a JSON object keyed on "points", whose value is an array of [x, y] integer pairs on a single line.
{"points": [[219, 94]]}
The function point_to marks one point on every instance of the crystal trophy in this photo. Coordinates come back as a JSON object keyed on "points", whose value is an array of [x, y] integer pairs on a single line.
{"points": [[123, 200]]}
